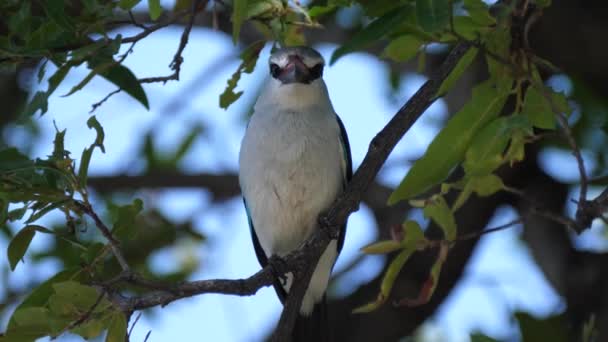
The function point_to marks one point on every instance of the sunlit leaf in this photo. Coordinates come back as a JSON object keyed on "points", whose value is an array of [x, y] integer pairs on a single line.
{"points": [[439, 211], [403, 48], [458, 70], [154, 9], [479, 12], [382, 247], [449, 146], [118, 328]]}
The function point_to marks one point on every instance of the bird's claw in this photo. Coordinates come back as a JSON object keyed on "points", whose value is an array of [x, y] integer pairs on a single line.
{"points": [[277, 267]]}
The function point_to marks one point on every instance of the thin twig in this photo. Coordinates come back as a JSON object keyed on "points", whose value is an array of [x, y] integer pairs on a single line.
{"points": [[105, 231]]}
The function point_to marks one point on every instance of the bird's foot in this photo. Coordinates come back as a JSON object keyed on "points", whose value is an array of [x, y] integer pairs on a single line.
{"points": [[278, 267]]}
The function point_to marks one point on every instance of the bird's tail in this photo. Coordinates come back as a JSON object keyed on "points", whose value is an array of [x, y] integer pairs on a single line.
{"points": [[313, 328]]}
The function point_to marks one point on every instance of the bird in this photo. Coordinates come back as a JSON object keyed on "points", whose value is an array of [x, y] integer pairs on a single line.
{"points": [[294, 161]]}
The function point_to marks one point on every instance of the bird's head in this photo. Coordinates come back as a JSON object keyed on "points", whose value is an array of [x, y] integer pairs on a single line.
{"points": [[299, 64]]}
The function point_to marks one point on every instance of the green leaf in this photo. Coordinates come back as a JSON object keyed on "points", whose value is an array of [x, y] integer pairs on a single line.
{"points": [[449, 146], [458, 70], [480, 337], [249, 57], [412, 234], [488, 185], [40, 99], [403, 48], [11, 159], [317, 11], [118, 328], [479, 12], [429, 286], [382, 247], [124, 224], [438, 211], [373, 32], [128, 4], [388, 280], [55, 11], [82, 297], [34, 319], [433, 15], [551, 328], [538, 109], [43, 211], [154, 9], [19, 245], [85, 159], [484, 154], [40, 295], [239, 12], [126, 80]]}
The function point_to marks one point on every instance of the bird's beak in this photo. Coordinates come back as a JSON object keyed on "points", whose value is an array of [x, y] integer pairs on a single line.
{"points": [[295, 71]]}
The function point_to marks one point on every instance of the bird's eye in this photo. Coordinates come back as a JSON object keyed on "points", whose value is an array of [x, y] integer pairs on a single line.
{"points": [[316, 71], [275, 70]]}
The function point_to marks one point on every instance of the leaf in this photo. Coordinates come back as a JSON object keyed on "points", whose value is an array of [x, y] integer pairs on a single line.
{"points": [[11, 159], [82, 297], [438, 211], [45, 210], [126, 80], [485, 153], [551, 328], [239, 12], [55, 11], [480, 337], [458, 70], [85, 159], [154, 9], [249, 57], [388, 281], [488, 185], [412, 234], [33, 319], [403, 48], [382, 247], [40, 99], [40, 295], [429, 286], [58, 145], [449, 146], [373, 32], [479, 12], [317, 11], [19, 245], [117, 329], [124, 224], [128, 4], [538, 109], [433, 15]]}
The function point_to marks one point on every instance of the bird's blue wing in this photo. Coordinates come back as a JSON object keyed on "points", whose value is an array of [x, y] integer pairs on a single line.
{"points": [[348, 172]]}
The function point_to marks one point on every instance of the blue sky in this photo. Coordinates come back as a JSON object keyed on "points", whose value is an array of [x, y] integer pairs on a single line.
{"points": [[501, 276]]}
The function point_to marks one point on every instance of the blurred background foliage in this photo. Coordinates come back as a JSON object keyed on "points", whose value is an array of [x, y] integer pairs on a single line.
{"points": [[42, 42]]}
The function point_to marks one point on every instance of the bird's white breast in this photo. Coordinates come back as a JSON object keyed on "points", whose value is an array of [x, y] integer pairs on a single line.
{"points": [[290, 171]]}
